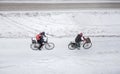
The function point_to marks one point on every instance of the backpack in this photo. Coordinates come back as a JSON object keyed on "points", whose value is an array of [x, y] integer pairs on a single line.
{"points": [[38, 36]]}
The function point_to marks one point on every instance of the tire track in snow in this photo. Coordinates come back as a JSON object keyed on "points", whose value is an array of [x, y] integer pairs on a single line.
{"points": [[36, 30], [22, 25], [8, 66], [43, 26], [19, 25], [8, 25], [25, 26], [10, 29], [36, 26]]}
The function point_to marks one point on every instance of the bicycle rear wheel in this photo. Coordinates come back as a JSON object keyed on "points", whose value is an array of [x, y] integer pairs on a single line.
{"points": [[49, 46], [34, 46], [71, 46]]}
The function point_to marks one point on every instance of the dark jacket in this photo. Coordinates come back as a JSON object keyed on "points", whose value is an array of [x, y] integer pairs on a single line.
{"points": [[78, 38]]}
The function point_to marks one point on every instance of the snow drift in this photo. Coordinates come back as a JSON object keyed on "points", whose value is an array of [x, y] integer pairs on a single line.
{"points": [[60, 24]]}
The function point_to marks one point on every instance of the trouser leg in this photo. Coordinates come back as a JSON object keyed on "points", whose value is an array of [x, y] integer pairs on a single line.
{"points": [[78, 44], [40, 44]]}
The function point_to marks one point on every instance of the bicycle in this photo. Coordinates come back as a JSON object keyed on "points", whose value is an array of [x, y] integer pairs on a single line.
{"points": [[46, 44], [86, 44]]}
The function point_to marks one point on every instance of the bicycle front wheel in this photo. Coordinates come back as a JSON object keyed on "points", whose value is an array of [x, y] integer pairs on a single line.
{"points": [[87, 45], [49, 46]]}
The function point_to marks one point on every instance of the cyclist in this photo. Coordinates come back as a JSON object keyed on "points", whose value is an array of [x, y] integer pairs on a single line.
{"points": [[79, 38], [40, 39]]}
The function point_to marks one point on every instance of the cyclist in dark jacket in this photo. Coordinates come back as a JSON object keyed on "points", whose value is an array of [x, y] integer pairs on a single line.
{"points": [[78, 39]]}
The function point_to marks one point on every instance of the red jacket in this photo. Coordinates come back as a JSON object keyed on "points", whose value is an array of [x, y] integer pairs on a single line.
{"points": [[38, 37]]}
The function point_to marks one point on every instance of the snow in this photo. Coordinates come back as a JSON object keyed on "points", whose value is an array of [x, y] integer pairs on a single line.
{"points": [[17, 27], [60, 23], [17, 57]]}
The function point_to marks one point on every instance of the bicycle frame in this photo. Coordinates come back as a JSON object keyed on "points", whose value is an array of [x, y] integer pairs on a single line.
{"points": [[86, 44], [47, 45]]}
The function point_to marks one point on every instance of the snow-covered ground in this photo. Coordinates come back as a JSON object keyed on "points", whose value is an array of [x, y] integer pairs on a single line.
{"points": [[61, 27], [16, 57], [60, 23]]}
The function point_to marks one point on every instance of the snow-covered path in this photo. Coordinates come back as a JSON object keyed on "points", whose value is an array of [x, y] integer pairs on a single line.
{"points": [[16, 24], [16, 57]]}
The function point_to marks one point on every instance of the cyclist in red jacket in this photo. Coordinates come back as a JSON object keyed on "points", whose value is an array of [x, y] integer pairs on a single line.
{"points": [[40, 39]]}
